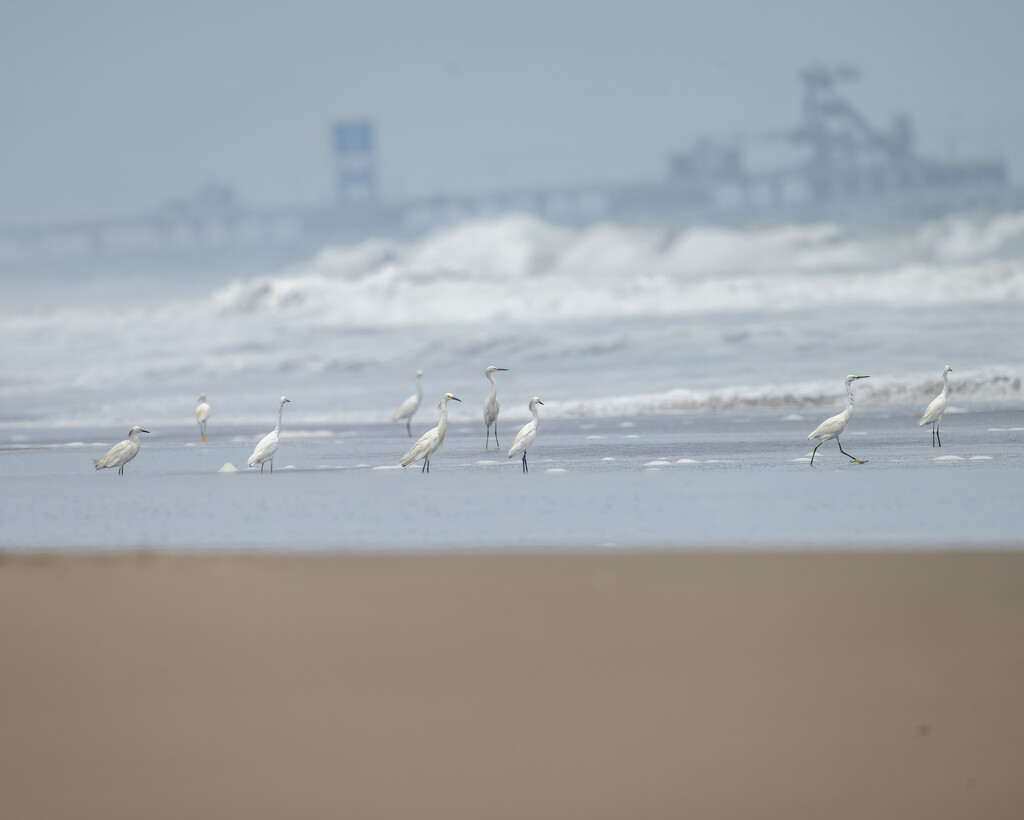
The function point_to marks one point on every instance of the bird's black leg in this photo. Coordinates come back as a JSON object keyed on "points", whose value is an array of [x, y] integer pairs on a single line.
{"points": [[487, 441], [408, 427], [937, 434], [841, 450], [496, 445], [264, 464], [525, 468], [816, 446]]}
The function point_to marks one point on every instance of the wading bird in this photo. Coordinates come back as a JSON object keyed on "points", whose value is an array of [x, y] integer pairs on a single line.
{"points": [[524, 438], [491, 407], [122, 452], [831, 428], [407, 409], [430, 440], [933, 413], [265, 450], [202, 414]]}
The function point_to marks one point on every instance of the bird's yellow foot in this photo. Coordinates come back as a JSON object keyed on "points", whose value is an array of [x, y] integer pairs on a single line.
{"points": [[204, 438]]}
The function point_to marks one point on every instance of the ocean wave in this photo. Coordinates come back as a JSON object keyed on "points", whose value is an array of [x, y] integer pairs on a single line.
{"points": [[523, 268], [984, 386]]}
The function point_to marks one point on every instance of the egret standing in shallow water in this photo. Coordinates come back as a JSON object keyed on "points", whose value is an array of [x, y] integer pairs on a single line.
{"points": [[933, 413], [524, 438], [491, 407], [431, 440], [202, 414], [122, 452], [831, 428], [407, 409], [265, 450]]}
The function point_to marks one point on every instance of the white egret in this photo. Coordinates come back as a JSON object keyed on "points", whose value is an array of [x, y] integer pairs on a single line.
{"points": [[265, 450], [491, 407], [202, 414], [524, 438], [407, 409], [431, 440], [122, 452], [831, 428], [933, 413]]}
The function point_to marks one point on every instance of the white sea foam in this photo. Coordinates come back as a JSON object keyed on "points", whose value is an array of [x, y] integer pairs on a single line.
{"points": [[603, 321]]}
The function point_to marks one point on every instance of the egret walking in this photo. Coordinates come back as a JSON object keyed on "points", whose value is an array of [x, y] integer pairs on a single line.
{"points": [[491, 407], [408, 408], [933, 413], [202, 414], [265, 450], [524, 438], [121, 453], [831, 428], [430, 440]]}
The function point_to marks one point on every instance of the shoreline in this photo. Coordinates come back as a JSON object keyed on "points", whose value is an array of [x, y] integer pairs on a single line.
{"points": [[583, 683]]}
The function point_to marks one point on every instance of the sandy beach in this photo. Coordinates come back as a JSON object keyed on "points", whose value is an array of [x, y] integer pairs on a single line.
{"points": [[729, 685]]}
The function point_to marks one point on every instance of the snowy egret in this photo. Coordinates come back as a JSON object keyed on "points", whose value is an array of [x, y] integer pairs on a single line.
{"points": [[408, 408], [491, 407], [121, 453], [430, 440], [933, 413], [831, 428], [524, 438], [265, 450], [202, 414]]}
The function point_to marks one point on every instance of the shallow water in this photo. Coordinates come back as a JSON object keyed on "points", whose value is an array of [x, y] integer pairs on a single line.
{"points": [[693, 481]]}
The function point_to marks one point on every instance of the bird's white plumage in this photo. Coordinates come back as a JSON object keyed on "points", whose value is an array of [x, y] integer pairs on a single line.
{"points": [[933, 412], [202, 414], [491, 406], [407, 409], [431, 440], [525, 437], [937, 406], [265, 450], [832, 427], [122, 452]]}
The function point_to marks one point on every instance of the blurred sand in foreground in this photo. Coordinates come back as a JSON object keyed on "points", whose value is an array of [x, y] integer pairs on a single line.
{"points": [[850, 685]]}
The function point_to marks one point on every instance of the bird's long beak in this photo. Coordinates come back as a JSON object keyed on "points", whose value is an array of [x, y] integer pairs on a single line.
{"points": [[503, 368], [862, 377], [455, 399], [143, 431], [539, 401]]}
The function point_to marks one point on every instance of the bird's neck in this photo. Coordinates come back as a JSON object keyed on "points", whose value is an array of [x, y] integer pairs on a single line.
{"points": [[442, 425], [280, 412], [494, 385], [849, 399], [536, 416], [945, 383]]}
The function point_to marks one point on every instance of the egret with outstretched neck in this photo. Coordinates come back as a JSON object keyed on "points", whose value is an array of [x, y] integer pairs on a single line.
{"points": [[122, 452], [491, 407], [265, 450], [431, 440], [831, 428], [407, 409], [202, 414], [525, 437], [933, 413]]}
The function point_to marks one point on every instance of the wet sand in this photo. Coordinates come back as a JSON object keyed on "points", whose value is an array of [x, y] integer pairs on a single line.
{"points": [[739, 685]]}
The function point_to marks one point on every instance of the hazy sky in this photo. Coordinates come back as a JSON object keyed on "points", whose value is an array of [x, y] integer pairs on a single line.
{"points": [[113, 107]]}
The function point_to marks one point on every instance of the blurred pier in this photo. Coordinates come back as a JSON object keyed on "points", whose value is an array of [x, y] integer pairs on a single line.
{"points": [[833, 164]]}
